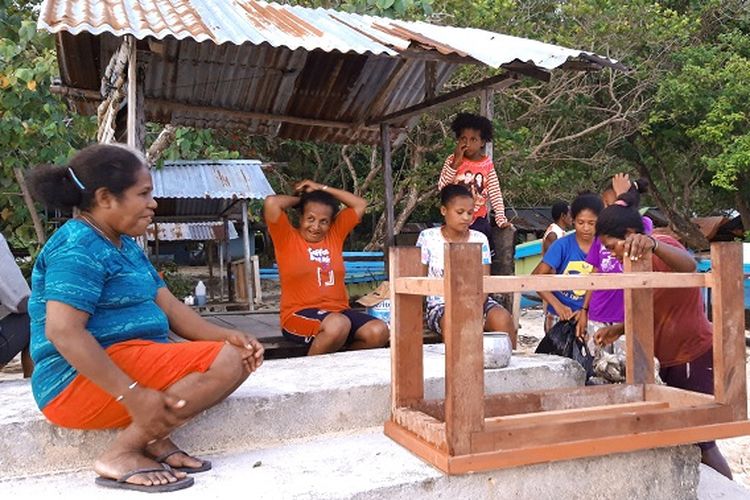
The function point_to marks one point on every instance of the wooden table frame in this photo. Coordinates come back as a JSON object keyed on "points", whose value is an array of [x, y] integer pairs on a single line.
{"points": [[469, 431]]}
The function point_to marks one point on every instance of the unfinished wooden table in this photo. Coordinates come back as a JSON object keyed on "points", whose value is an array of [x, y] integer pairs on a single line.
{"points": [[469, 431]]}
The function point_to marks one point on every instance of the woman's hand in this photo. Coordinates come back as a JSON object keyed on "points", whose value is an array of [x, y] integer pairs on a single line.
{"points": [[607, 335], [308, 185], [636, 245], [154, 411], [621, 183], [581, 324], [252, 350], [564, 312]]}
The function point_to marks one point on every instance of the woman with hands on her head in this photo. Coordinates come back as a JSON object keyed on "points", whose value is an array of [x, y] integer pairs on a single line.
{"points": [[314, 303], [100, 315]]}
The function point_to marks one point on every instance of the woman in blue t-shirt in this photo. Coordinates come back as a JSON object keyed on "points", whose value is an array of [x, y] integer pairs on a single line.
{"points": [[567, 255], [100, 315]]}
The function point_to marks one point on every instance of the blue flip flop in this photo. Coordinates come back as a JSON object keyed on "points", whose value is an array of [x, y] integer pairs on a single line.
{"points": [[122, 484], [205, 464]]}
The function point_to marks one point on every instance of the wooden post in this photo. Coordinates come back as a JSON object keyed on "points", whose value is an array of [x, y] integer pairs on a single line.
{"points": [[729, 327], [385, 143], [430, 79], [464, 359], [406, 326], [246, 251], [487, 109], [132, 108], [222, 270], [210, 262], [639, 326]]}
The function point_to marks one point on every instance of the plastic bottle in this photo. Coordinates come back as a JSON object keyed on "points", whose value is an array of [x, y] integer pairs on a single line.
{"points": [[200, 294]]}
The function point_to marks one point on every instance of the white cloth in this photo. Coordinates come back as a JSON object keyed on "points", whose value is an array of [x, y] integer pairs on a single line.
{"points": [[432, 244], [13, 286], [554, 228]]}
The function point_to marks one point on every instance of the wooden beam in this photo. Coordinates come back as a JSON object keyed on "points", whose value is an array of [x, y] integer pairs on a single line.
{"points": [[132, 126], [430, 80], [729, 328], [551, 282], [423, 425], [412, 442], [565, 398], [407, 372], [418, 286], [677, 397], [598, 426], [498, 82], [385, 144], [175, 107], [571, 415], [464, 360], [639, 326], [580, 448]]}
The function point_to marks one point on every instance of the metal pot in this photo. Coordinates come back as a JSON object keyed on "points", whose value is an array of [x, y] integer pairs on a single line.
{"points": [[497, 349]]}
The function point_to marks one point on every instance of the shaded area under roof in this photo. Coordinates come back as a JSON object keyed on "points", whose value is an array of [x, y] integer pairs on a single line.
{"points": [[190, 231], [279, 70]]}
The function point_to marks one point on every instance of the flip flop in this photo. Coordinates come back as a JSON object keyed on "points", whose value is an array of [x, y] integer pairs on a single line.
{"points": [[204, 466], [122, 484]]}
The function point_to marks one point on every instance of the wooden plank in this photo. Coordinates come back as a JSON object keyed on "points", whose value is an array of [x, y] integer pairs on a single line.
{"points": [[132, 110], [426, 427], [419, 286], [417, 445], [498, 82], [545, 433], [385, 144], [552, 282], [677, 397], [729, 328], [464, 358], [639, 326], [588, 447], [496, 405], [572, 415], [407, 371]]}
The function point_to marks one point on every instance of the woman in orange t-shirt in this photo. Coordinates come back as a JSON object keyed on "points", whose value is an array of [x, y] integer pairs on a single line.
{"points": [[314, 303]]}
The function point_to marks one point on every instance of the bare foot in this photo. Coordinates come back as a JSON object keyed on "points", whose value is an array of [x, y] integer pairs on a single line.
{"points": [[114, 464], [179, 459]]}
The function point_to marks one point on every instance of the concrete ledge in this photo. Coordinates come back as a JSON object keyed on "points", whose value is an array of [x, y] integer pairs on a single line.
{"points": [[286, 399], [714, 486], [367, 465]]}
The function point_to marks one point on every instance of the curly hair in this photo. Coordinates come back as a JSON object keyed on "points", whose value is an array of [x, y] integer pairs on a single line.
{"points": [[464, 121]]}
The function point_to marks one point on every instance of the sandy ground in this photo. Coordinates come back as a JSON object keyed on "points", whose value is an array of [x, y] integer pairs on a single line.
{"points": [[737, 451]]}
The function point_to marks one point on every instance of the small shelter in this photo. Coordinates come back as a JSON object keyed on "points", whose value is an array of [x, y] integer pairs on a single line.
{"points": [[212, 191]]}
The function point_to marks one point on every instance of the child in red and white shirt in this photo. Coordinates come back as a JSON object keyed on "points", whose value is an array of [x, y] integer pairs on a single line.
{"points": [[471, 167]]}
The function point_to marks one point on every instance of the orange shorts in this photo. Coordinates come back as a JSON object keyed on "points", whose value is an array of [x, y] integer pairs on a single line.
{"points": [[85, 405]]}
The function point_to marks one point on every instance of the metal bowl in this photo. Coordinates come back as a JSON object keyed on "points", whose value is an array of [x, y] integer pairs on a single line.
{"points": [[497, 349]]}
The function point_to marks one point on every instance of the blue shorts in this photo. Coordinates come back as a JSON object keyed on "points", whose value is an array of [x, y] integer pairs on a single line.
{"points": [[311, 319]]}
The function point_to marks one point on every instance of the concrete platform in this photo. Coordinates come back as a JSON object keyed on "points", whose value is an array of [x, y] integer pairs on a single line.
{"points": [[286, 399], [714, 486], [367, 465]]}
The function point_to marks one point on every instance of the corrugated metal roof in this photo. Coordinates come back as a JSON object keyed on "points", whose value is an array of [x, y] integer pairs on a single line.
{"points": [[208, 63], [211, 179], [293, 27], [191, 231]]}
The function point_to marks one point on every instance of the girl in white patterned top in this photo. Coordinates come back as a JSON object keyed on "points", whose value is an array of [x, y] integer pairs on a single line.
{"points": [[457, 207]]}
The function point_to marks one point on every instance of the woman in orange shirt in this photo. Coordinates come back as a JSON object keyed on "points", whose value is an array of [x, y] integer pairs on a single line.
{"points": [[314, 303]]}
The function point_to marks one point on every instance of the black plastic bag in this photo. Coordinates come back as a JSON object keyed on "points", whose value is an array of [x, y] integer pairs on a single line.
{"points": [[561, 340]]}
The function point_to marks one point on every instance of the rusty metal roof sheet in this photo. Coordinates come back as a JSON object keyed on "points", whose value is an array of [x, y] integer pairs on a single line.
{"points": [[293, 27], [277, 70], [191, 231], [211, 179]]}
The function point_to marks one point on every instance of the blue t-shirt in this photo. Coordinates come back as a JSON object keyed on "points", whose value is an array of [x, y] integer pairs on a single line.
{"points": [[566, 257], [116, 286]]}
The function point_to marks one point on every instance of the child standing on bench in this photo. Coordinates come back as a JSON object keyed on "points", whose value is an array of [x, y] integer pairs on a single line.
{"points": [[457, 207], [471, 167]]}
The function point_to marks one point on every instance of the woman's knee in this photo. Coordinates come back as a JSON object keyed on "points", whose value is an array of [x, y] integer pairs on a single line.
{"points": [[375, 333], [335, 326], [229, 365], [499, 318]]}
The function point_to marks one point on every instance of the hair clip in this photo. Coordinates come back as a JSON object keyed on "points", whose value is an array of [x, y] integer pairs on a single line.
{"points": [[635, 185], [622, 203], [76, 180]]}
